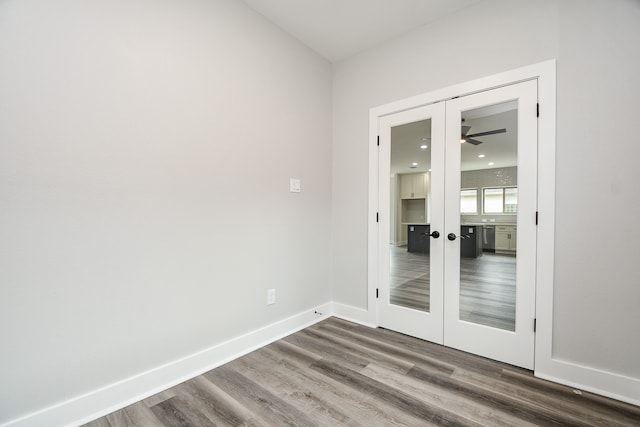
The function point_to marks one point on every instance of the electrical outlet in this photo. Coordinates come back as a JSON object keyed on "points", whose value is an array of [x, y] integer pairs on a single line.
{"points": [[271, 296]]}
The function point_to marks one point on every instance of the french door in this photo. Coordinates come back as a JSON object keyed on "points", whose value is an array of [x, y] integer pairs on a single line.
{"points": [[457, 234]]}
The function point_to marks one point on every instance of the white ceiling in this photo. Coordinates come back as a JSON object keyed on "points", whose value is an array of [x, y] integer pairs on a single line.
{"points": [[337, 29]]}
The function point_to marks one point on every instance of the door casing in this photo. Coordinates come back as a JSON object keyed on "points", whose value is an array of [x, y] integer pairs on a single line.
{"points": [[545, 74]]}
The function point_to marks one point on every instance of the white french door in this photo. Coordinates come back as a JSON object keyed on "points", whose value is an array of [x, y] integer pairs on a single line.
{"points": [[413, 307], [457, 233]]}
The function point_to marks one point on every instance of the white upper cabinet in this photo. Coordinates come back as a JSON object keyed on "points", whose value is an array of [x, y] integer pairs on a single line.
{"points": [[413, 186]]}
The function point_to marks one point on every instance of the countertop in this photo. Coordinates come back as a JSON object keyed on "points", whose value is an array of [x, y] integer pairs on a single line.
{"points": [[488, 223], [468, 224]]}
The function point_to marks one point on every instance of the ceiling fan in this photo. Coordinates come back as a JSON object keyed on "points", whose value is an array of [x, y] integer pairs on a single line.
{"points": [[469, 138]]}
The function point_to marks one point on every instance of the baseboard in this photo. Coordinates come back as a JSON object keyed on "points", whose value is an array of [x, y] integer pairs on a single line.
{"points": [[615, 386], [97, 403], [353, 314], [585, 378], [82, 409]]}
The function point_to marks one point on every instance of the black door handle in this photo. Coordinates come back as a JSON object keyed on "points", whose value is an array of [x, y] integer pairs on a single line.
{"points": [[452, 236], [435, 234]]}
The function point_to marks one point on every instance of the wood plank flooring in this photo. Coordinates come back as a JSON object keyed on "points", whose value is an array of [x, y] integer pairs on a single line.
{"points": [[487, 286], [337, 373], [409, 278]]}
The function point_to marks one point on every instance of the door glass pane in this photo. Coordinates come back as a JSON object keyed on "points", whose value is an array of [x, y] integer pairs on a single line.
{"points": [[488, 238], [410, 212]]}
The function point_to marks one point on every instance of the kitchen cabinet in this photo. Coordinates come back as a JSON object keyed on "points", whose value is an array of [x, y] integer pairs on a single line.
{"points": [[413, 186], [418, 238], [506, 238], [470, 241]]}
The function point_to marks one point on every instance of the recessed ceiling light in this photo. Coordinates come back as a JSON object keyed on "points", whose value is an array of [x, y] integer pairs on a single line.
{"points": [[423, 146], [481, 155], [429, 170], [462, 141], [414, 164], [491, 163]]}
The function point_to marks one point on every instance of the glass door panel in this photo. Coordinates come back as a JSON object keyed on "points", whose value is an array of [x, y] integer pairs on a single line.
{"points": [[411, 216], [489, 166], [456, 233], [491, 151], [410, 229]]}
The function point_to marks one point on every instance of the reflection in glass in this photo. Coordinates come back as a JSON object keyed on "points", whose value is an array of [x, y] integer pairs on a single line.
{"points": [[488, 249], [500, 200], [410, 211], [493, 200], [469, 201], [510, 200]]}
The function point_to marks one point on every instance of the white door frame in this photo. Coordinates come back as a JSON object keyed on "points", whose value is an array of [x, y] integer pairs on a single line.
{"points": [[545, 73]]}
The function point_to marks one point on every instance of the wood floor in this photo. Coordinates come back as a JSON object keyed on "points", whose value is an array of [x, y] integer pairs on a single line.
{"points": [[487, 286], [337, 373]]}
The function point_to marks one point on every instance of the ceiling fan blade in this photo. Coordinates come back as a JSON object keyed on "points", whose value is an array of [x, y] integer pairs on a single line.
{"points": [[490, 132], [473, 141], [465, 129]]}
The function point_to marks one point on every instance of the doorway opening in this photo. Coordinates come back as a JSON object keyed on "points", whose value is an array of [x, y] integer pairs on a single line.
{"points": [[456, 237]]}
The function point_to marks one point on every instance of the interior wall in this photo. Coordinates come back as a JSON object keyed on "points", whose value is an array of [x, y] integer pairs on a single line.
{"points": [[505, 35], [596, 281], [595, 43], [145, 155]]}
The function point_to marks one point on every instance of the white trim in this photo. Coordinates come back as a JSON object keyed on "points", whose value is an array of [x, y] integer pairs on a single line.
{"points": [[474, 86], [352, 314], [546, 218], [545, 73], [619, 387], [100, 402], [608, 384], [372, 251]]}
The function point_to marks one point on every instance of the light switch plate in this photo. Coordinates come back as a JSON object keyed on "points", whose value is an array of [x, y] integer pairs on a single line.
{"points": [[294, 185]]}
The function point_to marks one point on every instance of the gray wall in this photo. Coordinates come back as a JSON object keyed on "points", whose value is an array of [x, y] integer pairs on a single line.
{"points": [[597, 289], [596, 45], [497, 177], [145, 152], [444, 53], [145, 155]]}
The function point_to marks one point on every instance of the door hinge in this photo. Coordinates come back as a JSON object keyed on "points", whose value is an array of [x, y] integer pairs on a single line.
{"points": [[536, 217], [538, 109], [378, 140], [535, 321], [377, 216], [377, 294]]}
